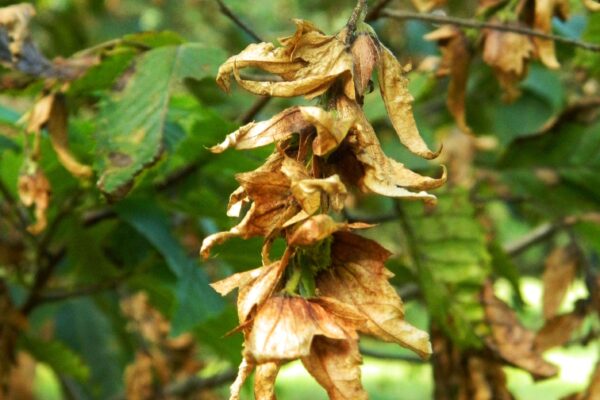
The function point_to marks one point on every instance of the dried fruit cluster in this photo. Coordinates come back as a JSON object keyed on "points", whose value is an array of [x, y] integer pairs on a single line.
{"points": [[330, 284]]}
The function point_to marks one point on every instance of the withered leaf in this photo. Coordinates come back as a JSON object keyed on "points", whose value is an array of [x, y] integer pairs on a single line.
{"points": [[272, 204], [507, 53], [284, 329], [244, 371], [319, 227], [34, 190], [309, 63], [331, 128], [558, 330], [398, 102], [15, 19], [335, 364], [592, 5], [427, 5], [456, 58], [544, 12], [139, 378], [510, 340], [381, 174], [358, 277], [560, 270], [255, 286], [253, 135]]}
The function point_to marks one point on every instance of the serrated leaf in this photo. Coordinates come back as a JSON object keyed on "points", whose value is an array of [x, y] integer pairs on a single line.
{"points": [[451, 261], [131, 124], [57, 355]]}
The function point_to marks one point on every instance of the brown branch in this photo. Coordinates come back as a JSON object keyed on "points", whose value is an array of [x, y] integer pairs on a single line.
{"points": [[388, 356], [236, 20], [469, 23], [56, 295], [375, 12], [256, 107], [195, 384]]}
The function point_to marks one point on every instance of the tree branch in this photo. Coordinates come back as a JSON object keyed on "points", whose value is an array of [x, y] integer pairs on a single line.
{"points": [[236, 20], [388, 356], [195, 384], [469, 23], [375, 12]]}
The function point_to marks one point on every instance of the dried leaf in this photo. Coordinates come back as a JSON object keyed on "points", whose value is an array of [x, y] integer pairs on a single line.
{"points": [[508, 53], [398, 102], [331, 128], [510, 340], [253, 135], [592, 5], [558, 330], [335, 364], [272, 204], [255, 286], [358, 277], [244, 371], [544, 12], [284, 328], [309, 63], [15, 19], [560, 270], [34, 190], [139, 381], [381, 174], [456, 58]]}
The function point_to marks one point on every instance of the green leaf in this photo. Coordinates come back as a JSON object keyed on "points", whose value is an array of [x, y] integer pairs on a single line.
{"points": [[451, 261], [563, 162], [131, 124], [196, 300], [59, 357]]}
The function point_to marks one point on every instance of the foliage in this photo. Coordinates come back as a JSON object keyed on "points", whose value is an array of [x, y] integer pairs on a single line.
{"points": [[117, 164]]}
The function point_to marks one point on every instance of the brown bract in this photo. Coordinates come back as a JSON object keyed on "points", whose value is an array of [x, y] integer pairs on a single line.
{"points": [[308, 63], [358, 277], [510, 340]]}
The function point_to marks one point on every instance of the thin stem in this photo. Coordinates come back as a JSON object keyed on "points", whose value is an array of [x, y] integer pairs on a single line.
{"points": [[236, 20], [469, 23], [358, 15]]}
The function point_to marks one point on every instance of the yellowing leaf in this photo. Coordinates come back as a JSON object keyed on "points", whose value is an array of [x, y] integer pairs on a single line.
{"points": [[398, 102], [358, 277], [335, 364]]}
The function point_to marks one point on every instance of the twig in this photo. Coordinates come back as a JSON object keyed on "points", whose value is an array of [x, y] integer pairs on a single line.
{"points": [[370, 219], [41, 278], [358, 14], [94, 217], [258, 105], [388, 356], [469, 23], [375, 12], [195, 384], [55, 295], [546, 231], [236, 20], [13, 205], [192, 384]]}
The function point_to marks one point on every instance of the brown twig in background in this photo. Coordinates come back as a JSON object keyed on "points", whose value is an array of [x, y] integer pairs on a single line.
{"points": [[375, 11], [469, 23], [258, 105], [236, 20]]}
